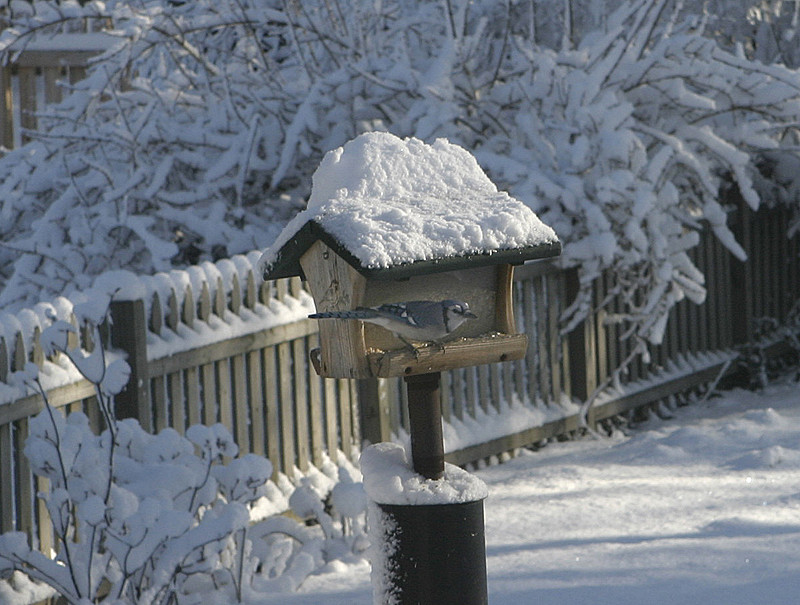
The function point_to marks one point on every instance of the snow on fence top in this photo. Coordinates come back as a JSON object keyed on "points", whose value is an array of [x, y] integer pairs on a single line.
{"points": [[185, 309], [391, 201]]}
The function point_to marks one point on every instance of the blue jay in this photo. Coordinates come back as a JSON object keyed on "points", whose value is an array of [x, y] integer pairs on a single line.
{"points": [[419, 320]]}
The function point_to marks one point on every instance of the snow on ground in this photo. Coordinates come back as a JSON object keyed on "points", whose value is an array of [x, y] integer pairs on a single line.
{"points": [[700, 509]]}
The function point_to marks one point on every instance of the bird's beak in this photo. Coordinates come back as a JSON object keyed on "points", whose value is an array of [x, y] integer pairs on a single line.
{"points": [[470, 315]]}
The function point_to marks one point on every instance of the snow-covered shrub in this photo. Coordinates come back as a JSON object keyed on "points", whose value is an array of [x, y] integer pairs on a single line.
{"points": [[622, 145], [196, 133], [148, 519]]}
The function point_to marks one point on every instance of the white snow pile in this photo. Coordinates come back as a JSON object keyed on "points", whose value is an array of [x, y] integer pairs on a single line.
{"points": [[392, 201], [389, 479]]}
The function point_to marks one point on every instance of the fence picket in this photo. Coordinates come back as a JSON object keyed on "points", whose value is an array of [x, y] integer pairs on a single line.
{"points": [[204, 303], [272, 398], [331, 416], [192, 376], [177, 401], [543, 365], [158, 396], [482, 376], [241, 404], [457, 389], [446, 395], [531, 328], [508, 382], [702, 317], [316, 414], [553, 337], [564, 340], [256, 401], [220, 304], [345, 417], [173, 314], [251, 293], [712, 308], [4, 360], [27, 100], [776, 266], [156, 315], [471, 382], [188, 310], [37, 355], [44, 527], [20, 357], [209, 389], [755, 272], [9, 477], [300, 402], [783, 286], [288, 447], [794, 261], [494, 372], [24, 493], [223, 388], [236, 295], [6, 109]]}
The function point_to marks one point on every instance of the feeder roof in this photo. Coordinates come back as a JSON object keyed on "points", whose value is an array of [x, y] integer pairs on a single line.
{"points": [[395, 207]]}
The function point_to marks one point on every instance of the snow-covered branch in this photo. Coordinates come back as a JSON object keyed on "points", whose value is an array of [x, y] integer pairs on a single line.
{"points": [[148, 519], [194, 136]]}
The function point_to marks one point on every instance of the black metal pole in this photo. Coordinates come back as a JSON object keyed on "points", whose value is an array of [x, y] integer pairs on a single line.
{"points": [[438, 554], [425, 419], [438, 551]]}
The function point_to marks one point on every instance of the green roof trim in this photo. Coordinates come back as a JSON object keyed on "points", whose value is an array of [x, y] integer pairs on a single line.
{"points": [[287, 263]]}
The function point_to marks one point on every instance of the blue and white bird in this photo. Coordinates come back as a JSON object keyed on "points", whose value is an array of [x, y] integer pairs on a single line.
{"points": [[417, 320]]}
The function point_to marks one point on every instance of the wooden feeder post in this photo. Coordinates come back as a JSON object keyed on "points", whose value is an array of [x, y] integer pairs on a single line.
{"points": [[425, 419]]}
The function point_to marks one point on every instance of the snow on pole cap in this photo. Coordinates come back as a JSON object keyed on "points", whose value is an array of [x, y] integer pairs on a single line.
{"points": [[389, 479], [390, 202]]}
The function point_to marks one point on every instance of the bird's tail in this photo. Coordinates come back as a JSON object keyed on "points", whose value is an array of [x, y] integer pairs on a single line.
{"points": [[360, 313]]}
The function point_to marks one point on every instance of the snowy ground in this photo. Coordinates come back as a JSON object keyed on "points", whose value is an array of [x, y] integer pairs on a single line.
{"points": [[701, 509]]}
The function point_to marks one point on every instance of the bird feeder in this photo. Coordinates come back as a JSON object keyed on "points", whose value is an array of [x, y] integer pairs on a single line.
{"points": [[394, 221]]}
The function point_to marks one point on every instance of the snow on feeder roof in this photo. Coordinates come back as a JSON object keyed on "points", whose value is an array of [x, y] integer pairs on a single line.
{"points": [[394, 208]]}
